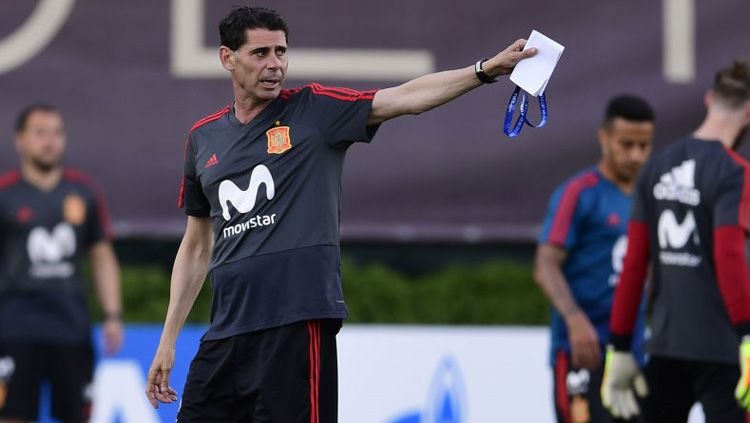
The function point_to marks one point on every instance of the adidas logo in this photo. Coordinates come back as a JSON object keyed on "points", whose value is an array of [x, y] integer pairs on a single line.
{"points": [[212, 161], [679, 185]]}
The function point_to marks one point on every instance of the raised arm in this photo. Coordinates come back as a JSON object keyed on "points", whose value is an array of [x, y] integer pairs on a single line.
{"points": [[622, 376], [188, 274], [427, 92]]}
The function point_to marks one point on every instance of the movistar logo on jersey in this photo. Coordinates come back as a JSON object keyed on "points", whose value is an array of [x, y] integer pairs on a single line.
{"points": [[446, 401], [48, 251], [244, 201], [674, 235], [679, 185]]}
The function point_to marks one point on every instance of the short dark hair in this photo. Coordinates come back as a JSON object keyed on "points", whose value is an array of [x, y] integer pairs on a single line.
{"points": [[26, 112], [732, 84], [233, 27], [628, 107]]}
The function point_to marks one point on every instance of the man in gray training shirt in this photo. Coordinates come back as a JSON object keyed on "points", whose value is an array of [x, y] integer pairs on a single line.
{"points": [[262, 188], [52, 217]]}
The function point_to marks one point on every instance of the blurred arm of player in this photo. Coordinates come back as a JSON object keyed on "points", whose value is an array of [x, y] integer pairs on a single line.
{"points": [[188, 275], [427, 92], [106, 272], [622, 378], [733, 275], [584, 342]]}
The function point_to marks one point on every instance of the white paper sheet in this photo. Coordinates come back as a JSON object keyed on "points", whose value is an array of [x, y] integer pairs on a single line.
{"points": [[532, 74]]}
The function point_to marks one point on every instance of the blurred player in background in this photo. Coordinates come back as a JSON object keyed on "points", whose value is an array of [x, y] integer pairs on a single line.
{"points": [[50, 218], [261, 189], [580, 254], [689, 224]]}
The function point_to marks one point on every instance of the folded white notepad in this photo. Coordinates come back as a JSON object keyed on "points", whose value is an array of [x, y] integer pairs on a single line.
{"points": [[532, 74]]}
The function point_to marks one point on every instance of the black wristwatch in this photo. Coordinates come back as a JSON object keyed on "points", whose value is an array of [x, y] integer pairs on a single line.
{"points": [[479, 71]]}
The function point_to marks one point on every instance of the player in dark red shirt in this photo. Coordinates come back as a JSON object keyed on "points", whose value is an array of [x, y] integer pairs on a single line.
{"points": [[690, 222], [51, 218], [261, 188]]}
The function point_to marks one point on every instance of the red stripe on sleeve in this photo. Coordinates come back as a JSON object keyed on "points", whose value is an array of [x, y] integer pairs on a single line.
{"points": [[181, 194], [630, 288], [567, 207], [744, 207], [340, 93], [732, 271], [210, 118], [10, 178], [285, 94]]}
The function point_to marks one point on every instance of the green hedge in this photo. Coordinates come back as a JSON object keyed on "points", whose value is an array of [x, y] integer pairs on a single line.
{"points": [[493, 293], [501, 292]]}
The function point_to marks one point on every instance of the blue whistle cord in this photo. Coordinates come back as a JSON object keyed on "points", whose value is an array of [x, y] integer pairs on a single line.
{"points": [[513, 130]]}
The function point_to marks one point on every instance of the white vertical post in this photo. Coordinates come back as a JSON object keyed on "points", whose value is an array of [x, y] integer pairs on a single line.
{"points": [[679, 40]]}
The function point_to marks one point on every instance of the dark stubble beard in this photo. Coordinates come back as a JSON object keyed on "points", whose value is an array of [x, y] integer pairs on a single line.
{"points": [[45, 167]]}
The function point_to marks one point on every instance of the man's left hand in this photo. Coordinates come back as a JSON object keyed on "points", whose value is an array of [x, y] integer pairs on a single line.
{"points": [[504, 62]]}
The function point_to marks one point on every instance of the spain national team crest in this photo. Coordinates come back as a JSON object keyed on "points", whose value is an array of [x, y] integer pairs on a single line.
{"points": [[278, 140], [74, 209]]}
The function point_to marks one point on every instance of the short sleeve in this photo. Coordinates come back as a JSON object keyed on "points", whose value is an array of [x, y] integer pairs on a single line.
{"points": [[732, 206], [98, 226], [191, 197], [560, 227], [341, 114]]}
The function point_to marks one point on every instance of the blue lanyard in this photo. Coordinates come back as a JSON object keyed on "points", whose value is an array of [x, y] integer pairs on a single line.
{"points": [[512, 130]]}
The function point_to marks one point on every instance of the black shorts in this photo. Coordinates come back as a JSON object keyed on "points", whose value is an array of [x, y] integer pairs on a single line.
{"points": [[69, 370], [576, 392], [674, 385], [286, 374]]}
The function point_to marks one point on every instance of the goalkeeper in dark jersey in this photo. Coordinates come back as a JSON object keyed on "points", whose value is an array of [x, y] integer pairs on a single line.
{"points": [[690, 224]]}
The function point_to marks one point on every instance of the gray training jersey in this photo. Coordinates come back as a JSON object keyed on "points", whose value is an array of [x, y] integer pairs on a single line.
{"points": [[685, 192], [272, 189], [44, 237]]}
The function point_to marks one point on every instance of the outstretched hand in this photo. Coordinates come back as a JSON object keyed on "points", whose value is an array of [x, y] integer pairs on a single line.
{"points": [[504, 62], [157, 384]]}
